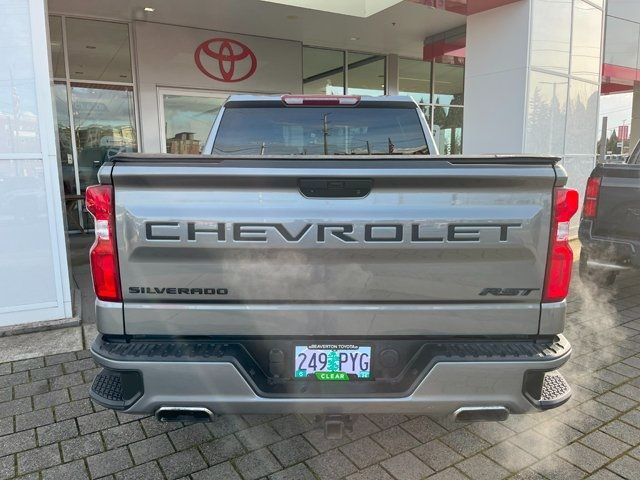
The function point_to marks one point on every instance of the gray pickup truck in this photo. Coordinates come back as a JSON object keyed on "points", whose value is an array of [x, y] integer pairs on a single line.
{"points": [[321, 258]]}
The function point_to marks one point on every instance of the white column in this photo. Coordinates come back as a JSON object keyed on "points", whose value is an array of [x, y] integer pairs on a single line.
{"points": [[34, 276], [393, 74], [496, 79]]}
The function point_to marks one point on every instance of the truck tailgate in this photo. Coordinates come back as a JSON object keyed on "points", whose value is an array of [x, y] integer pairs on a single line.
{"points": [[300, 247], [619, 204]]}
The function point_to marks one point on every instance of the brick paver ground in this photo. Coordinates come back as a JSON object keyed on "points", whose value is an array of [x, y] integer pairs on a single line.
{"points": [[49, 429]]}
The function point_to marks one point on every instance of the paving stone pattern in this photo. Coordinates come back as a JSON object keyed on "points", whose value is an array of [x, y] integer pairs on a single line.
{"points": [[50, 429]]}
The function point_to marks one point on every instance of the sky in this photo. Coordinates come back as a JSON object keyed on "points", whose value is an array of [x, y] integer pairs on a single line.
{"points": [[617, 108]]}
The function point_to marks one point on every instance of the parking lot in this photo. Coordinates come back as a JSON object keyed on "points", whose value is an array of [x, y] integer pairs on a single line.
{"points": [[49, 428]]}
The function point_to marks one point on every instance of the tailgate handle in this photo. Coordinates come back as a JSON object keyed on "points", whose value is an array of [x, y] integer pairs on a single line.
{"points": [[335, 187]]}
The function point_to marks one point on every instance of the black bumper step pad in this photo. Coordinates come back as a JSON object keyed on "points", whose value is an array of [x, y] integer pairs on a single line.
{"points": [[108, 385], [116, 389]]}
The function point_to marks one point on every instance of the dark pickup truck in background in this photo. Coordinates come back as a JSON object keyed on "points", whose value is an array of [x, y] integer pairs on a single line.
{"points": [[610, 226]]}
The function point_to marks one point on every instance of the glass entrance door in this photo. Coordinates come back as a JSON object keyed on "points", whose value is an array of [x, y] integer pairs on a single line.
{"points": [[94, 103], [187, 117], [104, 124]]}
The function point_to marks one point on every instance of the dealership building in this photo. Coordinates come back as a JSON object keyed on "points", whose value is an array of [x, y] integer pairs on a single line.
{"points": [[81, 80]]}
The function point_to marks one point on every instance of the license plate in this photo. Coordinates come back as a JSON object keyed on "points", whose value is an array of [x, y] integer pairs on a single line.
{"points": [[333, 362]]}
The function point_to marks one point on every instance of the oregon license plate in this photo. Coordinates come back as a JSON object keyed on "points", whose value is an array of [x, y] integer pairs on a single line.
{"points": [[333, 362]]}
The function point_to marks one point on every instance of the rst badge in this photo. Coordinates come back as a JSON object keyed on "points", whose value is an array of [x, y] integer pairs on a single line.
{"points": [[507, 292]]}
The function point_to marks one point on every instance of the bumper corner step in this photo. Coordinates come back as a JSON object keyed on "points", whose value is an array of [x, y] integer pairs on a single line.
{"points": [[116, 389], [554, 392]]}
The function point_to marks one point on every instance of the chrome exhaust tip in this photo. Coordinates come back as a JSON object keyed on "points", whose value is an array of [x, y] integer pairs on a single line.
{"points": [[481, 414], [606, 265], [184, 414]]}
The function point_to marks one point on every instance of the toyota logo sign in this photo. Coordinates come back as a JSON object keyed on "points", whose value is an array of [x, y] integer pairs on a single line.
{"points": [[225, 60]]}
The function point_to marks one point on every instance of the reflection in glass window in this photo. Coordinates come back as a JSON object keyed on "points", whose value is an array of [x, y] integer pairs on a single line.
{"points": [[322, 71], [57, 48], [551, 35], [188, 120], [582, 117], [415, 79], [585, 43], [634, 158], [622, 40], [98, 50], [546, 113], [365, 74], [448, 84], [447, 129], [19, 132], [426, 110], [104, 125], [65, 150]]}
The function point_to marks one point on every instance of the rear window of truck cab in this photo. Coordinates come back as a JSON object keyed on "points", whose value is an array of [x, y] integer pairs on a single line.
{"points": [[320, 130]]}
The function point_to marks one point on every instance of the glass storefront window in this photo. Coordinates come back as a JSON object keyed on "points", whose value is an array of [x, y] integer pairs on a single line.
{"points": [[365, 74], [19, 129], [57, 47], [447, 129], [448, 84], [582, 117], [585, 41], [440, 96], [551, 35], [322, 71], [623, 9], [105, 125], [415, 79], [98, 50], [622, 40], [188, 120]]}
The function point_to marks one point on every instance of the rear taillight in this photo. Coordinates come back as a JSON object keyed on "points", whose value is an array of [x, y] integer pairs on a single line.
{"points": [[320, 100], [590, 208], [560, 259], [103, 254]]}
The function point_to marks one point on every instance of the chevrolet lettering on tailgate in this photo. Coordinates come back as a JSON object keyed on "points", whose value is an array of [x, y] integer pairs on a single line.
{"points": [[319, 232]]}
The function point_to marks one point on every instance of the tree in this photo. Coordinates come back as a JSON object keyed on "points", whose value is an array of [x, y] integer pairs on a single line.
{"points": [[612, 143], [333, 361]]}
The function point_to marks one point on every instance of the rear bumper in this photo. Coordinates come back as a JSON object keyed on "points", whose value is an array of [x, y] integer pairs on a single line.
{"points": [[609, 253], [447, 384]]}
